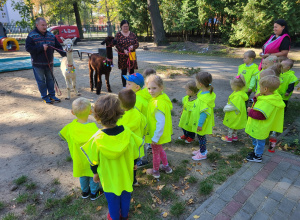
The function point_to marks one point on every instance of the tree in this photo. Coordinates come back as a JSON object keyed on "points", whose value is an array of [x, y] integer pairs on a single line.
{"points": [[25, 9], [157, 24], [189, 14], [171, 14]]}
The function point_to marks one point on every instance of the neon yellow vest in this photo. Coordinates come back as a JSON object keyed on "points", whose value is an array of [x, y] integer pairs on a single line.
{"points": [[77, 134], [163, 104], [237, 119], [114, 155], [141, 104], [137, 123], [205, 103], [272, 107], [188, 107], [145, 94], [248, 72], [287, 78]]}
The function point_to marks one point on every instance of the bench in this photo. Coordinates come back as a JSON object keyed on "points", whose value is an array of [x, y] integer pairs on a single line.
{"points": [[101, 51]]}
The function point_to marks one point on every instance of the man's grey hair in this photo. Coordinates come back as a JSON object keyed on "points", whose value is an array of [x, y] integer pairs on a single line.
{"points": [[39, 19]]}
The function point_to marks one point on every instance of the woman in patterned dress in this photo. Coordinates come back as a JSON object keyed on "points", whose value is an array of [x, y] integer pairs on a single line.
{"points": [[126, 40]]}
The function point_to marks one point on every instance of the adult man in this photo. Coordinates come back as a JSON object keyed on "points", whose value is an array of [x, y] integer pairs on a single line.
{"points": [[37, 44]]}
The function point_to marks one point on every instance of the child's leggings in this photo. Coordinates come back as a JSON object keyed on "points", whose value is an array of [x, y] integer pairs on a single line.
{"points": [[158, 154], [232, 132], [118, 205], [202, 143]]}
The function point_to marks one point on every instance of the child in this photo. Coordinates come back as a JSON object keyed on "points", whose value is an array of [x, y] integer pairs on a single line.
{"points": [[77, 133], [235, 110], [133, 119], [145, 93], [135, 82], [249, 70], [264, 116], [159, 121], [289, 80], [111, 152], [202, 119], [188, 106]]}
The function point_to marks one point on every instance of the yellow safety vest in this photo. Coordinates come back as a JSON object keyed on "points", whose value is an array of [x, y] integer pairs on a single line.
{"points": [[188, 108]]}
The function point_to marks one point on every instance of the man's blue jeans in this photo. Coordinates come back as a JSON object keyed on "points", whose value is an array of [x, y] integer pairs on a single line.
{"points": [[87, 183], [44, 79], [259, 146]]}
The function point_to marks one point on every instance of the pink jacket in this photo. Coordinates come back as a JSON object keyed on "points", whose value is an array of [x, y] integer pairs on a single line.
{"points": [[273, 46]]}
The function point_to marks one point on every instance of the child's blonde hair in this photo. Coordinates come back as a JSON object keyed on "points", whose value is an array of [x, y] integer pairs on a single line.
{"points": [[191, 85], [205, 78], [267, 72], [289, 62], [155, 78], [81, 107], [270, 82], [281, 58], [238, 82], [250, 54], [107, 110], [147, 72], [127, 98], [276, 68], [271, 59]]}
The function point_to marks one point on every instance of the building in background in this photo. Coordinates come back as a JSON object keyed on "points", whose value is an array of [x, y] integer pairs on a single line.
{"points": [[7, 13]]}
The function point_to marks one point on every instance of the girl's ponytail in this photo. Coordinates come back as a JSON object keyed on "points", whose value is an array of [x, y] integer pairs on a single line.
{"points": [[206, 79], [211, 89]]}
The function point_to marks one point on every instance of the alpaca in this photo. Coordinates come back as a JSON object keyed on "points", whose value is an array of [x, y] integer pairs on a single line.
{"points": [[101, 65], [67, 66]]}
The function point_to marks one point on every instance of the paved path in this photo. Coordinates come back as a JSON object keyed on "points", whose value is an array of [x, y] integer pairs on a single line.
{"points": [[260, 191]]}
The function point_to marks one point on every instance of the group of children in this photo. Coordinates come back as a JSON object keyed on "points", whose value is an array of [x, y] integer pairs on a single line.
{"points": [[140, 118]]}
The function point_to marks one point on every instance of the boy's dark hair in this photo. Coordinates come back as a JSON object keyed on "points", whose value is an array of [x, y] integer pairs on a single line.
{"points": [[206, 79], [148, 72], [107, 110], [127, 98], [270, 82], [191, 85], [250, 54]]}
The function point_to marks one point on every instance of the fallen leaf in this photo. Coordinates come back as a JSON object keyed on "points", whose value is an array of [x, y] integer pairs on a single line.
{"points": [[144, 170], [155, 198], [279, 148], [188, 168], [98, 208], [139, 206], [186, 187], [160, 187], [285, 147], [198, 170], [175, 187], [196, 216], [165, 214], [153, 205], [226, 161], [182, 192], [191, 201], [199, 164], [218, 149], [201, 173], [132, 200]]}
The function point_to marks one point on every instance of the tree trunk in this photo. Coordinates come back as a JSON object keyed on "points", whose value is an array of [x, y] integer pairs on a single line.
{"points": [[78, 21], [211, 31], [157, 24]]}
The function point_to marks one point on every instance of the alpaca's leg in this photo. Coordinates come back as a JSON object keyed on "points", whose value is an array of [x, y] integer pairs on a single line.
{"points": [[74, 84], [99, 82], [107, 80], [91, 72], [69, 86]]}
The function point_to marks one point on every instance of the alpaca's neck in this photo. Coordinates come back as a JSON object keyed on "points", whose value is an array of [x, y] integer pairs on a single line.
{"points": [[70, 58]]}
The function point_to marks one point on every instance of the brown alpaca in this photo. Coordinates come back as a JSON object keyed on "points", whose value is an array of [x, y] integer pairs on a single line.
{"points": [[101, 65]]}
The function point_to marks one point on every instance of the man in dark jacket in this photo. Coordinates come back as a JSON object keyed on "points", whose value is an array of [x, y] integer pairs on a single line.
{"points": [[37, 44]]}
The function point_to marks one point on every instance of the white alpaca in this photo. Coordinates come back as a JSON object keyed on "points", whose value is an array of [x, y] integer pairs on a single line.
{"points": [[67, 66]]}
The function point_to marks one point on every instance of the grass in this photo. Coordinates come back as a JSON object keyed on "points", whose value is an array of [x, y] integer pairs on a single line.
{"points": [[290, 115], [30, 186], [22, 198], [2, 205], [192, 180], [179, 172], [172, 71], [20, 180], [30, 209], [177, 209], [167, 193], [56, 181], [213, 157], [10, 216], [205, 187], [68, 158]]}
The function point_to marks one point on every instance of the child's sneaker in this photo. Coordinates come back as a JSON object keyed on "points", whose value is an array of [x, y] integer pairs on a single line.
{"points": [[254, 158], [47, 100], [226, 139], [235, 138], [189, 140], [97, 194], [167, 168], [149, 147], [85, 195], [142, 163], [199, 156], [196, 152], [108, 217], [183, 137], [55, 99], [135, 182], [154, 173]]}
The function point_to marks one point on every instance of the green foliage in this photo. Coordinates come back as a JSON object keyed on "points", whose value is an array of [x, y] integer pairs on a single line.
{"points": [[205, 187], [177, 209], [170, 12], [30, 209], [167, 193], [22, 198], [25, 9], [213, 156], [192, 179], [20, 180], [2, 205], [10, 216], [30, 186]]}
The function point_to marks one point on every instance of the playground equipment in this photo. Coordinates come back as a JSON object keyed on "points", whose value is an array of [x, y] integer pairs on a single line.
{"points": [[7, 43]]}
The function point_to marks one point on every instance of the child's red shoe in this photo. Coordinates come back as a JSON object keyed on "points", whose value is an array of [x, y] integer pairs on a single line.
{"points": [[183, 137], [235, 138], [189, 140], [226, 139]]}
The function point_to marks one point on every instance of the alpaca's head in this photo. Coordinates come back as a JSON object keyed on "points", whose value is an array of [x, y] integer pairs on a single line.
{"points": [[68, 44]]}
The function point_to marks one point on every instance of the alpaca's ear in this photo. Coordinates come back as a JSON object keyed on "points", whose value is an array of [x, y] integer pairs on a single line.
{"points": [[73, 40], [63, 39]]}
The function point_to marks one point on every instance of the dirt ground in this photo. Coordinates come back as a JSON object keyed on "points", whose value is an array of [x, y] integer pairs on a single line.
{"points": [[29, 141]]}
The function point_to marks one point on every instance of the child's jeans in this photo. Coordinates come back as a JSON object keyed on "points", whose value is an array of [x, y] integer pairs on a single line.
{"points": [[202, 143], [117, 204], [88, 183], [189, 134], [158, 154], [259, 146]]}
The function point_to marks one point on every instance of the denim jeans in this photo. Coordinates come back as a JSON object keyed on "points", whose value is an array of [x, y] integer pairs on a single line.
{"points": [[117, 204], [44, 79], [189, 134], [259, 146], [87, 183]]}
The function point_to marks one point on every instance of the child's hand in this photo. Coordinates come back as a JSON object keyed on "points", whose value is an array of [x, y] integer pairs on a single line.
{"points": [[256, 95], [199, 128], [96, 178], [248, 109], [249, 90], [287, 94]]}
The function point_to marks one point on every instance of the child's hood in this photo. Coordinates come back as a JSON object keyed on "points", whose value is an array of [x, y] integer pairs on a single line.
{"points": [[208, 98], [166, 99], [81, 133], [243, 95], [274, 99], [113, 146]]}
